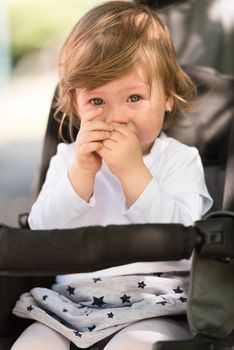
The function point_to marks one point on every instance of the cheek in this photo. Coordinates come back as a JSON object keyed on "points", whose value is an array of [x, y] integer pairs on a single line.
{"points": [[79, 107], [148, 131], [150, 125], [82, 110]]}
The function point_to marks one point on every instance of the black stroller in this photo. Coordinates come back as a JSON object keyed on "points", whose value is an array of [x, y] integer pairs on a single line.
{"points": [[29, 259]]}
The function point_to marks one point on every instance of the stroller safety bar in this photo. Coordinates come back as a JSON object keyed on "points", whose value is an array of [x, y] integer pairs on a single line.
{"points": [[49, 252]]}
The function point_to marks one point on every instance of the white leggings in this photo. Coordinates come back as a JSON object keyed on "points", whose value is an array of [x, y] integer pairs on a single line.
{"points": [[138, 336]]}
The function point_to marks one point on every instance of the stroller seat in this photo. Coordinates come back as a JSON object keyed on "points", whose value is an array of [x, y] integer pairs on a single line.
{"points": [[26, 262]]}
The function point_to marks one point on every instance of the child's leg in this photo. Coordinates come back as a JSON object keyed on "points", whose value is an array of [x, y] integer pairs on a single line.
{"points": [[38, 337], [143, 334]]}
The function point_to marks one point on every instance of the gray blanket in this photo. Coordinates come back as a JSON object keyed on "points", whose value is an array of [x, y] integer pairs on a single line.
{"points": [[91, 309]]}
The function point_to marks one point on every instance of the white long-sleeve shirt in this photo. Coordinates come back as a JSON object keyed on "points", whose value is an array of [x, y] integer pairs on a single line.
{"points": [[176, 194]]}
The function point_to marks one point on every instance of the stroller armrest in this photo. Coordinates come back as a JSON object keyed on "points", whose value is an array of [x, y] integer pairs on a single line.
{"points": [[51, 252]]}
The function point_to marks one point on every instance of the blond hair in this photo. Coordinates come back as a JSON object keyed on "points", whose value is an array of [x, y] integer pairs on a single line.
{"points": [[110, 42]]}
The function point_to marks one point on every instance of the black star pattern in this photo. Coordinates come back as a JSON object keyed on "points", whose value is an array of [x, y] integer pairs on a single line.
{"points": [[44, 297], [125, 299], [183, 300], [98, 301], [141, 284], [65, 310], [71, 290], [30, 308], [110, 315], [92, 328], [96, 280], [78, 334], [178, 290]]}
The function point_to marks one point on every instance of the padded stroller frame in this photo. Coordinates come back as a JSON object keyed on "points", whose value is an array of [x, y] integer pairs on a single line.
{"points": [[29, 259]]}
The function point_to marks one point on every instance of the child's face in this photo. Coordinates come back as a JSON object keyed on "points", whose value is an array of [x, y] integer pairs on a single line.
{"points": [[129, 101]]}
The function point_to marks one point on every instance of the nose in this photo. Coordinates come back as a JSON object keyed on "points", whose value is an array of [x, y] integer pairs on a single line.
{"points": [[115, 114]]}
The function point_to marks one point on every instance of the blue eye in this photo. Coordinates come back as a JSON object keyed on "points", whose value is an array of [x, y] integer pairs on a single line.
{"points": [[96, 101], [134, 98]]}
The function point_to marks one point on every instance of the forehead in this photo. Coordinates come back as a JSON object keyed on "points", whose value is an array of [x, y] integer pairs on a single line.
{"points": [[131, 81], [128, 82], [135, 80]]}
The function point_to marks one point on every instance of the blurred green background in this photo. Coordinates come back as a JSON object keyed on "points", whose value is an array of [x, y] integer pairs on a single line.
{"points": [[38, 24]]}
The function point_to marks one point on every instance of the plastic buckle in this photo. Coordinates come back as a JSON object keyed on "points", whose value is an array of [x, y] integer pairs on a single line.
{"points": [[216, 237]]}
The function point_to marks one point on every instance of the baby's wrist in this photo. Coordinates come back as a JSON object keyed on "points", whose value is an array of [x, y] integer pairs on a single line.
{"points": [[134, 183], [132, 172], [82, 182], [137, 174]]}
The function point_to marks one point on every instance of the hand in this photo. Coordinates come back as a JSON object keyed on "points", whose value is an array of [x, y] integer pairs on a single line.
{"points": [[123, 155], [93, 131], [122, 151]]}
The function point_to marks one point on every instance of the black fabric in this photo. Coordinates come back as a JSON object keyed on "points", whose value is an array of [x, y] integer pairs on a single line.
{"points": [[228, 198], [98, 346], [52, 139], [6, 343], [209, 129], [158, 4], [215, 177], [11, 288]]}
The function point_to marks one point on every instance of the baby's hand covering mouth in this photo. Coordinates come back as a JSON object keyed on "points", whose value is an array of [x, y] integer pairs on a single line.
{"points": [[129, 127]]}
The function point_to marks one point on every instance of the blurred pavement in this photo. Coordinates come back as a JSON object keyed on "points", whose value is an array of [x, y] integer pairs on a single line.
{"points": [[25, 106], [19, 164]]}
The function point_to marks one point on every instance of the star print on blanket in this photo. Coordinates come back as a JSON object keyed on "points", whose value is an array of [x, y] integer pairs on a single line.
{"points": [[89, 310]]}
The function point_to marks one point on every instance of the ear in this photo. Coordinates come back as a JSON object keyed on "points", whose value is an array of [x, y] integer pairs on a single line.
{"points": [[169, 103]]}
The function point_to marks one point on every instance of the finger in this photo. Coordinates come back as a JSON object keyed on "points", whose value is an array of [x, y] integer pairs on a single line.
{"points": [[109, 144], [94, 136], [91, 147], [116, 136], [92, 115], [103, 152]]}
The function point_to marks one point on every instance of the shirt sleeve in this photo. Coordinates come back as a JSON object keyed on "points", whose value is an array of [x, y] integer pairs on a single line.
{"points": [[176, 194], [58, 202]]}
